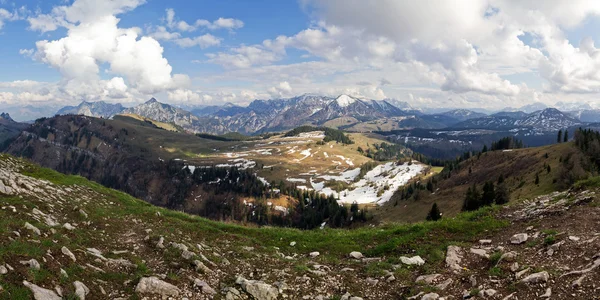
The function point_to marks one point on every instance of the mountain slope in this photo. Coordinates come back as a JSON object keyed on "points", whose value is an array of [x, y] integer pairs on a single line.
{"points": [[549, 119], [92, 109], [9, 128], [114, 245]]}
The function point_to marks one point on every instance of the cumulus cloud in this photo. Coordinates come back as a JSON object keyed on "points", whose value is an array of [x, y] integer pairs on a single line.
{"points": [[220, 23], [203, 41], [282, 90], [94, 39]]}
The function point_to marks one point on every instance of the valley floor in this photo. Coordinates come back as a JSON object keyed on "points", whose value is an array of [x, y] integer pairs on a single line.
{"points": [[63, 235]]}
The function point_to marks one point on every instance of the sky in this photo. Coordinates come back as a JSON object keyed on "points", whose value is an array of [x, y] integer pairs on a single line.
{"points": [[487, 54]]}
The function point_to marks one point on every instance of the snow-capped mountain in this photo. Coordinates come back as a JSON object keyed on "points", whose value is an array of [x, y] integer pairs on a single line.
{"points": [[587, 115], [549, 119], [92, 109]]}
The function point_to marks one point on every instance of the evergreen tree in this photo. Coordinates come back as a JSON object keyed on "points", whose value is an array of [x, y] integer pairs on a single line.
{"points": [[548, 169], [566, 136], [537, 179], [472, 199], [559, 139], [434, 214], [502, 196], [488, 196]]}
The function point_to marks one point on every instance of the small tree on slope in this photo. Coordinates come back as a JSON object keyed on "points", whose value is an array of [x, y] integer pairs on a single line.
{"points": [[434, 213]]}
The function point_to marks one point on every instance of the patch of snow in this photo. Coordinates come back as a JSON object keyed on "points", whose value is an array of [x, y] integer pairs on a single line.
{"points": [[344, 100], [365, 190], [296, 179]]}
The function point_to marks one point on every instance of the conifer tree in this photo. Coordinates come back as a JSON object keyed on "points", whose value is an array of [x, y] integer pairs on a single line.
{"points": [[434, 214]]}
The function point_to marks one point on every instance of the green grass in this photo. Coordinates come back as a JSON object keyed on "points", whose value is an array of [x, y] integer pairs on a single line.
{"points": [[428, 239], [592, 182]]}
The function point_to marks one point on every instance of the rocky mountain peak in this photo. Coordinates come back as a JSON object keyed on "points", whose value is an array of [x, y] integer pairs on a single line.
{"points": [[5, 116]]}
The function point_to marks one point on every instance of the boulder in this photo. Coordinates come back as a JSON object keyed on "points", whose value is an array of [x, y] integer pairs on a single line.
{"points": [[415, 260], [81, 290], [153, 285], [430, 296], [480, 252], [519, 238], [536, 278], [428, 279], [204, 287], [453, 258], [314, 254], [68, 253], [40, 293], [356, 255], [258, 289], [32, 228]]}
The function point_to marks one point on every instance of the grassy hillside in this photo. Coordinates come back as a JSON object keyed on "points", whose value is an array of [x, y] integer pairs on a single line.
{"points": [[162, 125], [115, 221], [519, 168]]}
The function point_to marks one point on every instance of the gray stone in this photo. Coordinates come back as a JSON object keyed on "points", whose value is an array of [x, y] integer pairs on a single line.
{"points": [[32, 263], [81, 290], [356, 255], [153, 285], [204, 287], [32, 228], [415, 260], [536, 278], [454, 258], [430, 296], [519, 238], [258, 289], [40, 293], [68, 253], [480, 252], [428, 279]]}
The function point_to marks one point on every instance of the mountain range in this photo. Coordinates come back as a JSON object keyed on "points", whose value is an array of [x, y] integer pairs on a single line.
{"points": [[345, 112]]}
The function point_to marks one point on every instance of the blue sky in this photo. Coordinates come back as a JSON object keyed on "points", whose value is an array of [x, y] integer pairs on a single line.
{"points": [[486, 54]]}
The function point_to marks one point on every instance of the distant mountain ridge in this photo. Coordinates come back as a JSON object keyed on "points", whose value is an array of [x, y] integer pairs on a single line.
{"points": [[344, 110], [549, 119], [92, 109]]}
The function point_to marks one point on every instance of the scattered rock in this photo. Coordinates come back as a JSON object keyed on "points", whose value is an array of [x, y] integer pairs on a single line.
{"points": [[3, 270], [574, 238], [292, 244], [454, 258], [68, 253], [32, 228], [314, 254], [81, 290], [485, 242], [68, 226], [40, 293], [32, 263], [480, 252], [430, 296], [548, 293], [153, 285], [519, 238], [487, 293], [356, 255], [204, 287], [202, 267], [428, 279], [536, 278], [258, 289], [415, 260]]}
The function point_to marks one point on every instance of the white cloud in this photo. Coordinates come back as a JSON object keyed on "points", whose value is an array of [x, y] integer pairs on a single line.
{"points": [[203, 41], [96, 39], [189, 96], [220, 23], [282, 90], [244, 57]]}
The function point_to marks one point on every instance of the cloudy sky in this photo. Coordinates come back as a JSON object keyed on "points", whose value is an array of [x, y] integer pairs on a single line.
{"points": [[463, 53]]}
